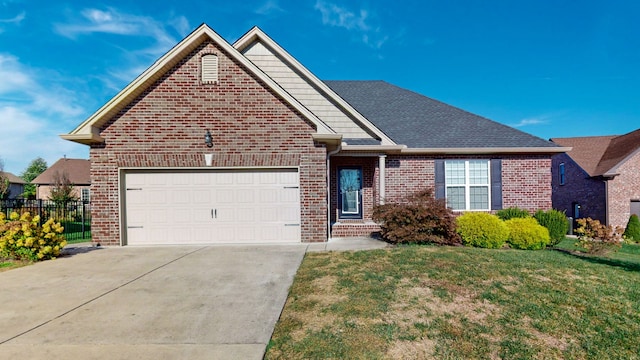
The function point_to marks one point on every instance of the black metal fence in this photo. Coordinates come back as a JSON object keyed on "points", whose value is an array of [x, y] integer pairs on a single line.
{"points": [[74, 216]]}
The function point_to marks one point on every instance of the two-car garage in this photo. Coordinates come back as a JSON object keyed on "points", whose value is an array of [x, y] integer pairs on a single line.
{"points": [[165, 207]]}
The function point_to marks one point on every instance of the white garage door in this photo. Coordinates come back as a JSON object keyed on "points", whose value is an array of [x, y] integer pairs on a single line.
{"points": [[204, 207]]}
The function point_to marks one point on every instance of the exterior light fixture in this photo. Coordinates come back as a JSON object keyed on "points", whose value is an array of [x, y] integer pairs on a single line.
{"points": [[208, 139]]}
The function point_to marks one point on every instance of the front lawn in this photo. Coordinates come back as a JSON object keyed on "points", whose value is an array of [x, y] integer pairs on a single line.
{"points": [[461, 303]]}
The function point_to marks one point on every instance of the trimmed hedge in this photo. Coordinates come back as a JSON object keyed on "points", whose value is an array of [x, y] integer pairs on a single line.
{"points": [[527, 234], [512, 212], [556, 222], [632, 231], [482, 230]]}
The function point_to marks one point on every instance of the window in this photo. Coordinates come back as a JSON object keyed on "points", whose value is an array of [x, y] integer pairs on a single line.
{"points": [[350, 193], [561, 175], [467, 184], [86, 195], [209, 70]]}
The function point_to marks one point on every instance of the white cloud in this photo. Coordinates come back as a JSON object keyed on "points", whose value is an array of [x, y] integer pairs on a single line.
{"points": [[532, 121], [32, 114], [355, 21], [335, 15], [16, 19], [270, 7], [112, 21]]}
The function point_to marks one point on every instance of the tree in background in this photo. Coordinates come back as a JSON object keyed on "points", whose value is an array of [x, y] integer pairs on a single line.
{"points": [[4, 182], [35, 168], [62, 190]]}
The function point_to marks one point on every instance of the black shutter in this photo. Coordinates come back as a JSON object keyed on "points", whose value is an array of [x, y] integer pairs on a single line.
{"points": [[496, 184], [439, 168]]}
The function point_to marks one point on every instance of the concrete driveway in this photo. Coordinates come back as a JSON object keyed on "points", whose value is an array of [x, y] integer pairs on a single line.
{"points": [[210, 302]]}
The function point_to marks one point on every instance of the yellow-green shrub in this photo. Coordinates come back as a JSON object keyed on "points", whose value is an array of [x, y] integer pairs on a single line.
{"points": [[527, 234], [21, 237], [482, 230]]}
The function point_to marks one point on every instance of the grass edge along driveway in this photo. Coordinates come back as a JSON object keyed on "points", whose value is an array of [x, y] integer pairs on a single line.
{"points": [[456, 302]]}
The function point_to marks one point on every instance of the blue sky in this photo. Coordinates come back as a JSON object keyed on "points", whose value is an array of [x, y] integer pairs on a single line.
{"points": [[550, 68]]}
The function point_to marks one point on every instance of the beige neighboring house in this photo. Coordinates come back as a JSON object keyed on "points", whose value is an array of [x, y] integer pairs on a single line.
{"points": [[77, 171], [16, 184]]}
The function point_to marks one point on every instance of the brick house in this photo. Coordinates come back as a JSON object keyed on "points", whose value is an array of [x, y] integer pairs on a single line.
{"points": [[77, 171], [598, 178], [220, 142]]}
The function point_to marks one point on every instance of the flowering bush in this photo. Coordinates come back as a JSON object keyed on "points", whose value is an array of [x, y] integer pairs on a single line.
{"points": [[21, 237], [597, 238]]}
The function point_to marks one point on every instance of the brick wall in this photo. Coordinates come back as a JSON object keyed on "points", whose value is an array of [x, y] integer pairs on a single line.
{"points": [[579, 188], [526, 183], [165, 127], [622, 189]]}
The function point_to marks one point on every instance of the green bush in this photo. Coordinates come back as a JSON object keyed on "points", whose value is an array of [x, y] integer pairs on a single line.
{"points": [[482, 230], [22, 238], [527, 234], [512, 212], [632, 231], [556, 222], [417, 218]]}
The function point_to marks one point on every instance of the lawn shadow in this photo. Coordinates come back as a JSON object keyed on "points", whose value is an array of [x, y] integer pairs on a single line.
{"points": [[626, 265]]}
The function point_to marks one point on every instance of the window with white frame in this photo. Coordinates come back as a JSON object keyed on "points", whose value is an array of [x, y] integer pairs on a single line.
{"points": [[468, 184], [86, 195]]}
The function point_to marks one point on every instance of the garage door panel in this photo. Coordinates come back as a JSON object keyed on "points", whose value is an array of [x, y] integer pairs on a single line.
{"points": [[220, 206]]}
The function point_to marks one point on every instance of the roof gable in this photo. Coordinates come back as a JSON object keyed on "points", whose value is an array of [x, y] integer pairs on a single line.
{"points": [[12, 178], [602, 155], [78, 172], [301, 82], [89, 131], [420, 122]]}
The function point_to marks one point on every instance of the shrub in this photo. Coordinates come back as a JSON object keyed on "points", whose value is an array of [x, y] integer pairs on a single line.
{"points": [[527, 234], [597, 238], [512, 212], [556, 222], [417, 218], [482, 230], [632, 231], [22, 238]]}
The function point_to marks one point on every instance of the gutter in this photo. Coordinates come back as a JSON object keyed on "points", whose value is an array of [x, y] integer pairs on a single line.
{"points": [[403, 149]]}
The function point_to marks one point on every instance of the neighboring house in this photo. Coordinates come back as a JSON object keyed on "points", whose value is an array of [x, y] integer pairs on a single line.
{"points": [[241, 143], [16, 185], [78, 171], [599, 178]]}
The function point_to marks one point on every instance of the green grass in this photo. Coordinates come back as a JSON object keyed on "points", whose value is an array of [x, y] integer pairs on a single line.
{"points": [[462, 303]]}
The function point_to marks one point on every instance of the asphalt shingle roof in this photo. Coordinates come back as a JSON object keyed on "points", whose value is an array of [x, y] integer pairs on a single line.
{"points": [[78, 171], [12, 178], [421, 122], [599, 155]]}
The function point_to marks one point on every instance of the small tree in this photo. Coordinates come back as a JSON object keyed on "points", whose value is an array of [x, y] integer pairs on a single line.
{"points": [[4, 182], [632, 231], [35, 168], [62, 190]]}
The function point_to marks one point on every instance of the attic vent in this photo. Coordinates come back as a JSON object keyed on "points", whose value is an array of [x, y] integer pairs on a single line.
{"points": [[209, 69]]}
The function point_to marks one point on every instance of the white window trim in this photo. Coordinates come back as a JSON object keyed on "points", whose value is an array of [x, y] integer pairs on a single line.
{"points": [[467, 185]]}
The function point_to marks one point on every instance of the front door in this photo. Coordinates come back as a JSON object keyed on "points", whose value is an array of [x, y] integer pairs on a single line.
{"points": [[350, 192]]}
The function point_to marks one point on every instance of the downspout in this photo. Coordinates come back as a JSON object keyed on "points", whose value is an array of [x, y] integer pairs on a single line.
{"points": [[329, 154], [606, 202]]}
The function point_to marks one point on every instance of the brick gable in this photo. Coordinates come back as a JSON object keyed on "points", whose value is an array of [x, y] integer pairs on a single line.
{"points": [[165, 126]]}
